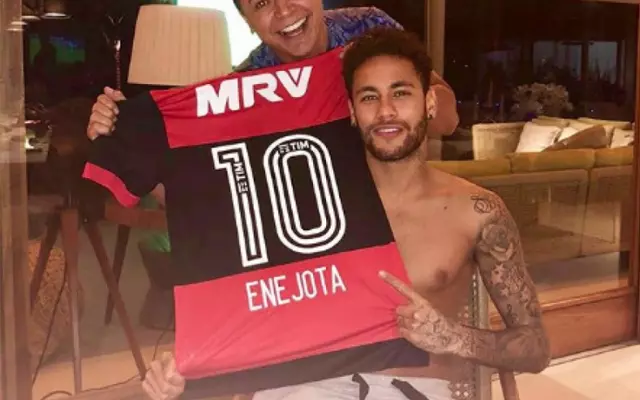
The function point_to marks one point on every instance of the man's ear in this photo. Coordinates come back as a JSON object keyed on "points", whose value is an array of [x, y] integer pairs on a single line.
{"points": [[352, 112], [431, 104]]}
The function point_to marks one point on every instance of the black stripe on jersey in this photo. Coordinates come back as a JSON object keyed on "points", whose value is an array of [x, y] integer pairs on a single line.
{"points": [[202, 206]]}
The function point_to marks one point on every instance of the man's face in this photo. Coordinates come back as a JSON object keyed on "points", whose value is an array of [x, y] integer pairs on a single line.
{"points": [[389, 106], [294, 29]]}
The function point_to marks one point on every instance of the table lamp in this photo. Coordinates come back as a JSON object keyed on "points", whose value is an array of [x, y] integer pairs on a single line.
{"points": [[179, 46]]}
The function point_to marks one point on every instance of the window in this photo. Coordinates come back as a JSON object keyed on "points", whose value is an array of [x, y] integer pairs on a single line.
{"points": [[546, 91]]}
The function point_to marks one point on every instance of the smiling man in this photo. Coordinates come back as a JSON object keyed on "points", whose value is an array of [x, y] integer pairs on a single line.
{"points": [[292, 30], [446, 230]]}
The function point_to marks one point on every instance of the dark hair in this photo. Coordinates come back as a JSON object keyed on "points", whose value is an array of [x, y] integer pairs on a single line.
{"points": [[384, 41], [237, 3]]}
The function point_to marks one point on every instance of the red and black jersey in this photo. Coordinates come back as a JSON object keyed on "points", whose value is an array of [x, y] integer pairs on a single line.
{"points": [[276, 227]]}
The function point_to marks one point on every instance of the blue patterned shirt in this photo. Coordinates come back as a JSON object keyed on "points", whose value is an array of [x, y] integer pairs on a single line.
{"points": [[343, 25]]}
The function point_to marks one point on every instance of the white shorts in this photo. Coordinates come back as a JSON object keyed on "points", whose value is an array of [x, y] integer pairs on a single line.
{"points": [[380, 387]]}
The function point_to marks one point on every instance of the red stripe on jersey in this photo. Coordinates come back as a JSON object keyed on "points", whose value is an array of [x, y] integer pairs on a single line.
{"points": [[111, 182], [263, 317], [300, 94]]}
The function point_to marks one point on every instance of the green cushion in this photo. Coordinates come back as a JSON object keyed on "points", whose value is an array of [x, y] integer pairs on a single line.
{"points": [[158, 241], [155, 240]]}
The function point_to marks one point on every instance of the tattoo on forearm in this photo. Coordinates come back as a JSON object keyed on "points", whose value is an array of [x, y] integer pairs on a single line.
{"points": [[523, 346]]}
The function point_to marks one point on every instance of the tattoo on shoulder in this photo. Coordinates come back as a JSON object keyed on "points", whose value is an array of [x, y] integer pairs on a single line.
{"points": [[501, 262], [484, 204]]}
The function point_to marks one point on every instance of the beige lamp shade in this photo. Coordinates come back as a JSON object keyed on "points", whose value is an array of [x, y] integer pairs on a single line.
{"points": [[179, 46]]}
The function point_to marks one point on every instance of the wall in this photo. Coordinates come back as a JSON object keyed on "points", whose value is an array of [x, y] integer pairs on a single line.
{"points": [[14, 356]]}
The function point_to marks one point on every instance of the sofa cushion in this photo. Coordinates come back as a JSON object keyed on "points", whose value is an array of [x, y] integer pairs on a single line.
{"points": [[550, 121], [567, 133], [474, 168], [535, 138], [614, 157], [552, 160], [591, 138], [615, 124], [494, 140], [582, 125], [559, 120], [622, 138]]}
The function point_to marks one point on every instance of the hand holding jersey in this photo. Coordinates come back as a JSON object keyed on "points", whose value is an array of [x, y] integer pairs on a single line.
{"points": [[104, 113], [418, 321], [163, 382], [310, 231]]}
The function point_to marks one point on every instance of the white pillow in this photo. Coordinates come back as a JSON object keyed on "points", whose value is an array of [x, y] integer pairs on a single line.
{"points": [[567, 133], [621, 138], [580, 125], [535, 138]]}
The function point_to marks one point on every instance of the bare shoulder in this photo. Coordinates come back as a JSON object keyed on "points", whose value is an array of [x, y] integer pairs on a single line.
{"points": [[487, 205], [492, 217], [473, 206], [474, 202]]}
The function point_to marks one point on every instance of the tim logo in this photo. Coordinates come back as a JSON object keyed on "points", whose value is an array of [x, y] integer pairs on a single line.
{"points": [[240, 93]]}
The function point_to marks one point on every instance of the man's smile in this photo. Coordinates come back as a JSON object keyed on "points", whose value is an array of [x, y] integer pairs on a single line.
{"points": [[294, 29]]}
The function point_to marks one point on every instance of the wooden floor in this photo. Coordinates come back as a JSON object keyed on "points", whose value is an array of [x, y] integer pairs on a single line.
{"points": [[591, 376]]}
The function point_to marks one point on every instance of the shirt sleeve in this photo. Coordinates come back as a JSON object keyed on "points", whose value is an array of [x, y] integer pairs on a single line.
{"points": [[260, 57], [376, 17], [129, 161]]}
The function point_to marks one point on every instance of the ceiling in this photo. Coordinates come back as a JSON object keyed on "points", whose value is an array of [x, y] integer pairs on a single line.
{"points": [[84, 9]]}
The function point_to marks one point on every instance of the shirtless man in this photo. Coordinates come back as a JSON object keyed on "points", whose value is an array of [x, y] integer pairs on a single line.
{"points": [[446, 229]]}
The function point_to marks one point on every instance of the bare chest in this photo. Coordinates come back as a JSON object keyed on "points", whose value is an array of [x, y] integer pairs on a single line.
{"points": [[436, 251]]}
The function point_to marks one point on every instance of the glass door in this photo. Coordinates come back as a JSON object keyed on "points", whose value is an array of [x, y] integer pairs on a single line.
{"points": [[547, 104], [14, 356]]}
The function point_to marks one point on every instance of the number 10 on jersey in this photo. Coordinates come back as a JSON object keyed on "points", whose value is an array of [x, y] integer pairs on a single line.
{"points": [[234, 159]]}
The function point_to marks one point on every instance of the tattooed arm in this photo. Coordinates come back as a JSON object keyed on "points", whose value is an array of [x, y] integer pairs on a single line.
{"points": [[523, 346]]}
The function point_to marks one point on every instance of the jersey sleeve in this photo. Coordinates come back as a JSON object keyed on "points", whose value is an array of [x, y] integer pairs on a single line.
{"points": [[129, 161]]}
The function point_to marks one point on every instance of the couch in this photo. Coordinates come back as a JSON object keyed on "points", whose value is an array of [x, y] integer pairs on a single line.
{"points": [[567, 203]]}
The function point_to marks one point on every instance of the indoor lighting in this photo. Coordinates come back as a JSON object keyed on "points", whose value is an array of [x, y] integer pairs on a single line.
{"points": [[55, 9], [16, 26], [54, 15], [29, 18], [194, 48], [244, 41], [28, 14]]}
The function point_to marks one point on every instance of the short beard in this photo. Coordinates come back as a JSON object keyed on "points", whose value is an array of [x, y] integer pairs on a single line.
{"points": [[409, 147]]}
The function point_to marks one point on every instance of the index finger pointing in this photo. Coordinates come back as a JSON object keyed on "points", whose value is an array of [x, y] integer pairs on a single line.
{"points": [[401, 287]]}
